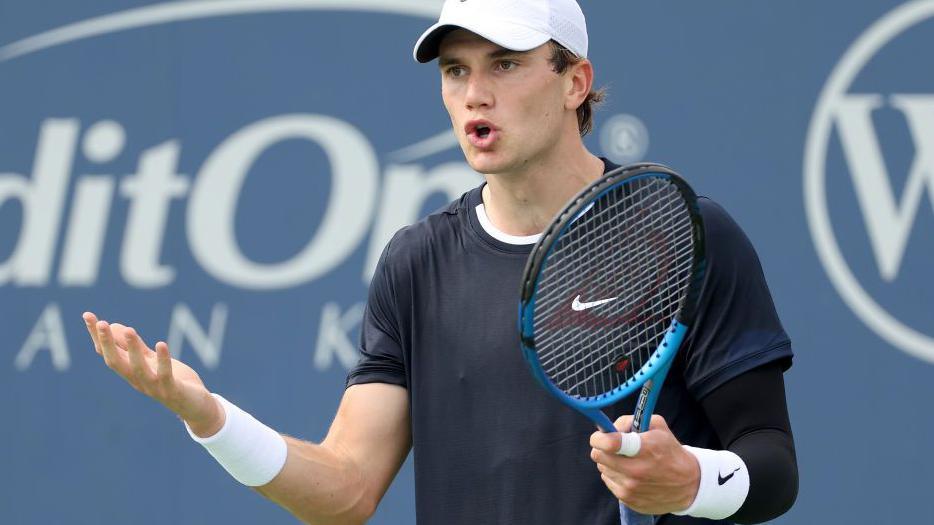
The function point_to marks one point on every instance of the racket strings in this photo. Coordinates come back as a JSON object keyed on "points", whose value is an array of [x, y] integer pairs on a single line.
{"points": [[637, 333], [566, 265], [613, 282], [599, 211], [601, 362], [603, 285], [581, 368], [572, 254], [604, 365]]}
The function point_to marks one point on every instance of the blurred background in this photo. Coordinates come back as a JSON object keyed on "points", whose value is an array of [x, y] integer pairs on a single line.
{"points": [[223, 174]]}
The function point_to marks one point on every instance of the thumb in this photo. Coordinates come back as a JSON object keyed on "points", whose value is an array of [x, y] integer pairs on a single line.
{"points": [[623, 423], [658, 423]]}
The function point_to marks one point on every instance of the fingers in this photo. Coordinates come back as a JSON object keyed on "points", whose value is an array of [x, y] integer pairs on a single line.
{"points": [[605, 441], [90, 322], [649, 480], [113, 357], [601, 458], [623, 489], [117, 331], [119, 334], [163, 364], [137, 352], [122, 349], [622, 443], [625, 492], [624, 423], [626, 478], [614, 487]]}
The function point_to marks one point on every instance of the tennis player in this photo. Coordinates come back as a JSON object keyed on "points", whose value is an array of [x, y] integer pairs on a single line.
{"points": [[441, 372]]}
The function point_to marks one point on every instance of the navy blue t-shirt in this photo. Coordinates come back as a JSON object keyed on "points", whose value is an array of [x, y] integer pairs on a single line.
{"points": [[490, 445]]}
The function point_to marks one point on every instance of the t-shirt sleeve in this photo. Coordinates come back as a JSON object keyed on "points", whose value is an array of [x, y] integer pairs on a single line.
{"points": [[381, 355], [737, 328]]}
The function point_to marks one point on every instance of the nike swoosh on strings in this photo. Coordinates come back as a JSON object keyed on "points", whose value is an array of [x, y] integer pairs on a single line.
{"points": [[578, 306]]}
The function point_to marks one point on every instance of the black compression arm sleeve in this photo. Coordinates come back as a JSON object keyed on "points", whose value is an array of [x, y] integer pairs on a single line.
{"points": [[750, 417]]}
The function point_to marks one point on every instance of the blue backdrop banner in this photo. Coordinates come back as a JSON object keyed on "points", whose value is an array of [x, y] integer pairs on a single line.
{"points": [[223, 175]]}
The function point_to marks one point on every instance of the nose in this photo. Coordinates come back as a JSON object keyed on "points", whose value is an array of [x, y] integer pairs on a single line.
{"points": [[479, 92]]}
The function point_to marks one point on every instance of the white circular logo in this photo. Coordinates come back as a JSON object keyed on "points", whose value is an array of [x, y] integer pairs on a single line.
{"points": [[624, 139], [888, 227]]}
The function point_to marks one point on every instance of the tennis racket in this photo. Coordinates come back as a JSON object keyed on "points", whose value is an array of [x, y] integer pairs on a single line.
{"points": [[609, 292]]}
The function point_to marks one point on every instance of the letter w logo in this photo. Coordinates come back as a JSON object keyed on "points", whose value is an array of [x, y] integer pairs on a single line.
{"points": [[889, 222]]}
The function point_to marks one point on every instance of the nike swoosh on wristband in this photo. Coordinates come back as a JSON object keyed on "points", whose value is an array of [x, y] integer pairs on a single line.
{"points": [[578, 306], [721, 480]]}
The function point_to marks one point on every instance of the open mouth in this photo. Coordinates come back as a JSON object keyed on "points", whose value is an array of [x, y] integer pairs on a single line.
{"points": [[481, 134], [479, 128]]}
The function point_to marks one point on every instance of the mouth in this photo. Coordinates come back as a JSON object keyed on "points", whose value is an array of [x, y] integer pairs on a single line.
{"points": [[479, 128], [481, 133]]}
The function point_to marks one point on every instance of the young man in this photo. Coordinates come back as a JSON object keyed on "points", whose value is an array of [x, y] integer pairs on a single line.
{"points": [[441, 371]]}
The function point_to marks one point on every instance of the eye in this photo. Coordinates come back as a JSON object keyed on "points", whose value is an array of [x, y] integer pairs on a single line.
{"points": [[507, 65], [455, 71]]}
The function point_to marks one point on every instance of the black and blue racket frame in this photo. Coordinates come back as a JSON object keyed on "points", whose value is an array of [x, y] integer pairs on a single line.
{"points": [[655, 369]]}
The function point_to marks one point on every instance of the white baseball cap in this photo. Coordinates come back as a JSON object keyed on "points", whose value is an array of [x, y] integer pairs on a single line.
{"points": [[519, 25]]}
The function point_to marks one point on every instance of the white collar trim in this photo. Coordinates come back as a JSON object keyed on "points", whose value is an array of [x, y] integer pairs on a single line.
{"points": [[498, 234]]}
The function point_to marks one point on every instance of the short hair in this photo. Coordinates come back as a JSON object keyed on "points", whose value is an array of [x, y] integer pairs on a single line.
{"points": [[562, 58]]}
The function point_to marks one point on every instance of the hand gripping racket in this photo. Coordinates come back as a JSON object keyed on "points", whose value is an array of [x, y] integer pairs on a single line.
{"points": [[609, 292]]}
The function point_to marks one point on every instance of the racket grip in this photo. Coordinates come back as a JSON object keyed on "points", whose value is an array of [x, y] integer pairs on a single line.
{"points": [[628, 516]]}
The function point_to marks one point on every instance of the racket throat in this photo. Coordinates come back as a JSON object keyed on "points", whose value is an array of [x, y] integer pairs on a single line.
{"points": [[648, 397], [638, 425]]}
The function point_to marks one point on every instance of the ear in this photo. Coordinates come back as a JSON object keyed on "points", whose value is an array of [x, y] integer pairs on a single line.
{"points": [[578, 84]]}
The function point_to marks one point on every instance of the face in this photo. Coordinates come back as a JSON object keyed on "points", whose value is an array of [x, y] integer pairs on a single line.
{"points": [[507, 107]]}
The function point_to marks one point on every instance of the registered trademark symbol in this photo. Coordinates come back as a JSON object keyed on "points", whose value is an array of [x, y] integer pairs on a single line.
{"points": [[624, 139]]}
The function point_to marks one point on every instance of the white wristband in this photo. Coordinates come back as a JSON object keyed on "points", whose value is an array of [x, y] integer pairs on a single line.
{"points": [[250, 451], [724, 484]]}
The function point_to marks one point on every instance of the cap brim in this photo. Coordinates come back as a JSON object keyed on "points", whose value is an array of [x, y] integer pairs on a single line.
{"points": [[426, 48], [509, 36]]}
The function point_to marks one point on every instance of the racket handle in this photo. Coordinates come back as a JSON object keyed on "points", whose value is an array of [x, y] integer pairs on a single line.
{"points": [[628, 516], [629, 445]]}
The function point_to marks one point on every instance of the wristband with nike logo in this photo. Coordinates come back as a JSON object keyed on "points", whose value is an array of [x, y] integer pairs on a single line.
{"points": [[724, 484]]}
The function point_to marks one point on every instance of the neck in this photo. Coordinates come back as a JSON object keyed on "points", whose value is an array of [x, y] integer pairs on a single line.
{"points": [[523, 202]]}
